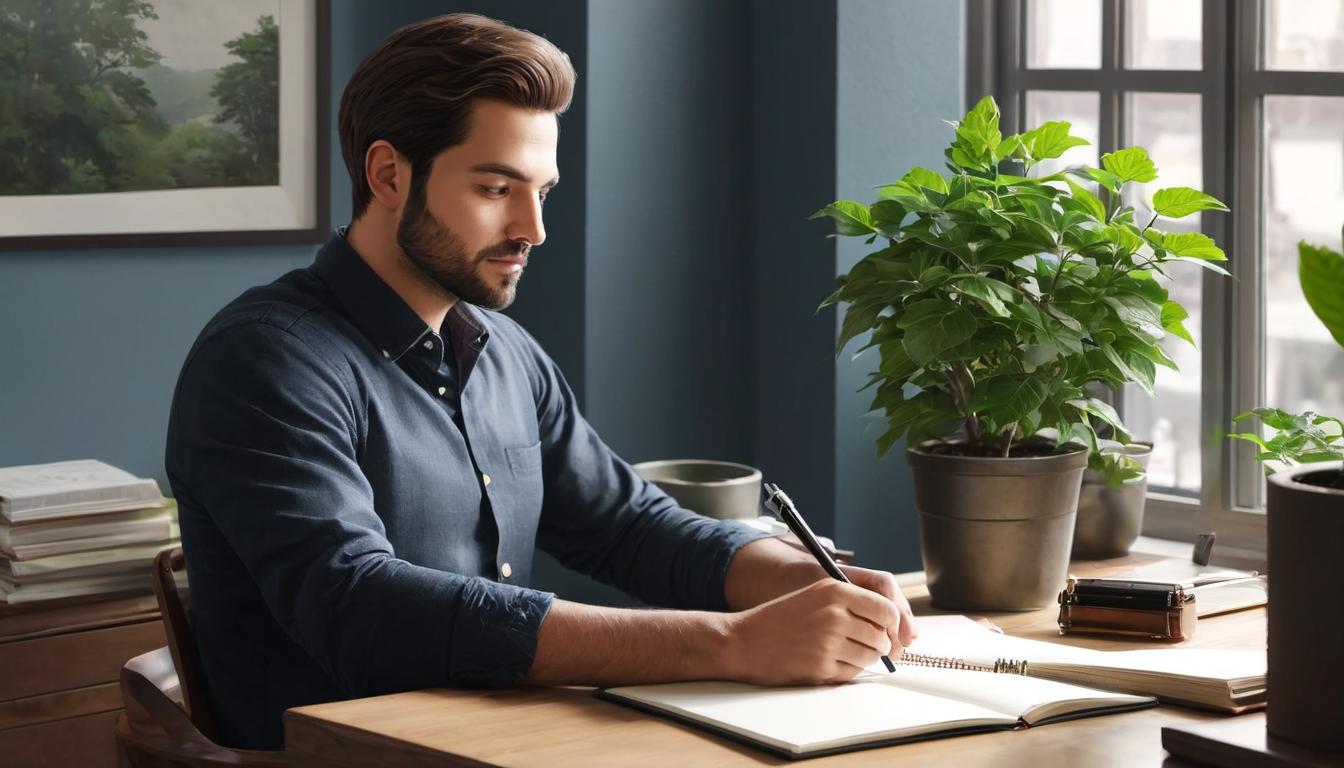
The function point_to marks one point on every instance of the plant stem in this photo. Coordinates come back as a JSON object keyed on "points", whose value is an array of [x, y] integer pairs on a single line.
{"points": [[960, 378], [1008, 438]]}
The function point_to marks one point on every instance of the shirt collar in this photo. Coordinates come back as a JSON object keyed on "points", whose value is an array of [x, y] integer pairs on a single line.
{"points": [[381, 314], [371, 304]]}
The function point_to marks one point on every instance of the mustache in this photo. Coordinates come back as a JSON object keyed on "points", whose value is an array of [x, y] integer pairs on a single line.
{"points": [[505, 250]]}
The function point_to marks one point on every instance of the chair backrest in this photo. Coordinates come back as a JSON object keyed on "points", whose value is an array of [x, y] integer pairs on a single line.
{"points": [[175, 606], [154, 732]]}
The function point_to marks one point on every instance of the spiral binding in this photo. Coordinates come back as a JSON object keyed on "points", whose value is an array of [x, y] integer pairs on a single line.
{"points": [[1006, 666]]}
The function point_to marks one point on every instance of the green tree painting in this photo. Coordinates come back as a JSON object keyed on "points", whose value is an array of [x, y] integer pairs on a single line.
{"points": [[79, 104]]}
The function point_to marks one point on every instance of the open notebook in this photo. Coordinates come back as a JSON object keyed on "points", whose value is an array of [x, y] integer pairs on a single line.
{"points": [[946, 686], [1221, 679]]}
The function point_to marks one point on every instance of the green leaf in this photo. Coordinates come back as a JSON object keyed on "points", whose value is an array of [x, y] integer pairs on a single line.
{"points": [[1173, 317], [1090, 201], [1128, 372], [1130, 164], [858, 318], [1192, 245], [1177, 202], [933, 325], [1104, 178], [1137, 312], [978, 137], [851, 218], [1009, 398], [1321, 272], [1050, 140], [984, 290], [923, 177]]}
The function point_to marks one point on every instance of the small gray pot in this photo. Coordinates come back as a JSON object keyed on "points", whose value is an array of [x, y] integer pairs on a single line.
{"points": [[996, 533], [1109, 519], [718, 489]]}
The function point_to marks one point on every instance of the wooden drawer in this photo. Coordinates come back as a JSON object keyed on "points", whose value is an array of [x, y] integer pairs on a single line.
{"points": [[86, 742], [77, 660]]}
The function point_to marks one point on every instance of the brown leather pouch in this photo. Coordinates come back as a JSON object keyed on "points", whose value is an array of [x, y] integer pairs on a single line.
{"points": [[1139, 609]]}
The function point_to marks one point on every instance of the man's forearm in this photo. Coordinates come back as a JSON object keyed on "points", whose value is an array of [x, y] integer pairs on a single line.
{"points": [[765, 569], [591, 645]]}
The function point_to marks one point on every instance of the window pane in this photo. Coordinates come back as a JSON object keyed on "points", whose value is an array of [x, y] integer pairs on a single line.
{"points": [[1304, 34], [1064, 34], [1082, 109], [1168, 126], [1304, 199], [1163, 34]]}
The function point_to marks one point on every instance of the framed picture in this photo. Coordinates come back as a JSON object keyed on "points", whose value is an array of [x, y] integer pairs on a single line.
{"points": [[163, 122]]}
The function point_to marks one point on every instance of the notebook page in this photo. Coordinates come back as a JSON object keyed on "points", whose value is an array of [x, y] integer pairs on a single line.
{"points": [[806, 719], [1030, 698]]}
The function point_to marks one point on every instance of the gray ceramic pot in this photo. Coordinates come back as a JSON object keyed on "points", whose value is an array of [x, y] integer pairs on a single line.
{"points": [[718, 489], [996, 533], [1109, 519], [1306, 628]]}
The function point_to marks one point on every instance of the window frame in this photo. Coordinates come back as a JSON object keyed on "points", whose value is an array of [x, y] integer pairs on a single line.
{"points": [[1232, 85]]}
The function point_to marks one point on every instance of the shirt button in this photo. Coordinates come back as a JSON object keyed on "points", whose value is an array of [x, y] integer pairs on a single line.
{"points": [[485, 478], [506, 570], [386, 355], [442, 391], [429, 343]]}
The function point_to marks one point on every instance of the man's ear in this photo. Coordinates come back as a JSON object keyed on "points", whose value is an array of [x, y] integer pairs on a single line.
{"points": [[388, 175]]}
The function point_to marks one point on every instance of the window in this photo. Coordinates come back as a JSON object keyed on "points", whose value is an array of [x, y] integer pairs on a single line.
{"points": [[1245, 100]]}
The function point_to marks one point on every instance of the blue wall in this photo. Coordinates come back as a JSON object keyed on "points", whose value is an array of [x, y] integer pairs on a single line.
{"points": [[678, 284]]}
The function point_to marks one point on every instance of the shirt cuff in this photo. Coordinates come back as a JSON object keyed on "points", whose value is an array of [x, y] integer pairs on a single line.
{"points": [[733, 536], [495, 634]]}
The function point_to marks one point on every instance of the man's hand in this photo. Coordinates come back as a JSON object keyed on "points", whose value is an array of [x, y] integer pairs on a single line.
{"points": [[826, 632], [768, 568], [883, 583]]}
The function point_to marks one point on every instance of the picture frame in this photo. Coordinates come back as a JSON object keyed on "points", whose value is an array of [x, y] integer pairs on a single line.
{"points": [[234, 175]]}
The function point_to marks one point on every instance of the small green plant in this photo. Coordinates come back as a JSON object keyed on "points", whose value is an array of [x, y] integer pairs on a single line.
{"points": [[998, 300], [1308, 437]]}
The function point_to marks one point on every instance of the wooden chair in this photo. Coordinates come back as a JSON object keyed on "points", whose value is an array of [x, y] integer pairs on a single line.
{"points": [[168, 722]]}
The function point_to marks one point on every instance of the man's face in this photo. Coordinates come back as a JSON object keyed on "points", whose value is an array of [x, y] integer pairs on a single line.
{"points": [[480, 214]]}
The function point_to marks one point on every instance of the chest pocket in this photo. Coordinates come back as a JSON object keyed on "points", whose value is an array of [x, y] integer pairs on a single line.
{"points": [[525, 460]]}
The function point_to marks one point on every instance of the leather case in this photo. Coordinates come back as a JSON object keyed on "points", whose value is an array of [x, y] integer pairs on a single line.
{"points": [[1147, 609]]}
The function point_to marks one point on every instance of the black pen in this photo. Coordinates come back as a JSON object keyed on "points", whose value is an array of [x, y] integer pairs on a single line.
{"points": [[779, 503]]}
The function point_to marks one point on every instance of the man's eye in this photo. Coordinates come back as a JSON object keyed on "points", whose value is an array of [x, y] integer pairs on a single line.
{"points": [[497, 191]]}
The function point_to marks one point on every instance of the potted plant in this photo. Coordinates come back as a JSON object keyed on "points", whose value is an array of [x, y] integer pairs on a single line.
{"points": [[1305, 524], [1111, 501], [995, 301]]}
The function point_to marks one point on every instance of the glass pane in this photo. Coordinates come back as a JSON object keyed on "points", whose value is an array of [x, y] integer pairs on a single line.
{"points": [[1164, 34], [1304, 200], [1082, 109], [1064, 34], [1304, 35], [1168, 126]]}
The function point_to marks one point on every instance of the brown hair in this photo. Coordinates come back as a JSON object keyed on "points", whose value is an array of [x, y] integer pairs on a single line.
{"points": [[415, 89]]}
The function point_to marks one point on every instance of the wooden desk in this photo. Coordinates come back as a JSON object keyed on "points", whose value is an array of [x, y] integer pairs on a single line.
{"points": [[556, 727]]}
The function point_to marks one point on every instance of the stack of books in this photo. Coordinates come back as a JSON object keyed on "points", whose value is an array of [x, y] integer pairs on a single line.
{"points": [[77, 528]]}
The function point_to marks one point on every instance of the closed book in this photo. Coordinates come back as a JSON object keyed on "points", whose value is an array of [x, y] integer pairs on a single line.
{"points": [[115, 584], [70, 488], [96, 562], [58, 537]]}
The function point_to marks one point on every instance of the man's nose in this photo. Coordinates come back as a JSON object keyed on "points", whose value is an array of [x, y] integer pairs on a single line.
{"points": [[527, 224]]}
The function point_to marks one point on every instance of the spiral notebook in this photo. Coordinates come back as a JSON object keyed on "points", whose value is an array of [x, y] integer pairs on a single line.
{"points": [[958, 678]]}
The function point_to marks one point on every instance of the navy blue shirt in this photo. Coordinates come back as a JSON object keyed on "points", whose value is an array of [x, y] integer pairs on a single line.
{"points": [[361, 495]]}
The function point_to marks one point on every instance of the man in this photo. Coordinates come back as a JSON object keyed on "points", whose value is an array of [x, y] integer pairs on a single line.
{"points": [[365, 453]]}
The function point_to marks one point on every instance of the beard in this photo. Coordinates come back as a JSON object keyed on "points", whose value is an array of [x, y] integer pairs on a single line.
{"points": [[441, 256]]}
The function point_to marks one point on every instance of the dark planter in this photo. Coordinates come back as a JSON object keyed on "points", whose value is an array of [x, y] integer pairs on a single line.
{"points": [[996, 533], [1306, 625]]}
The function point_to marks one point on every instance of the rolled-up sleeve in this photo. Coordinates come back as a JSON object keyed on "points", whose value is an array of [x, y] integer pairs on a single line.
{"points": [[602, 519], [265, 442]]}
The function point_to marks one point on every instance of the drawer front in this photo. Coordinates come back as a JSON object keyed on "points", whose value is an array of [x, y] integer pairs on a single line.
{"points": [[77, 660], [87, 742], [59, 706]]}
